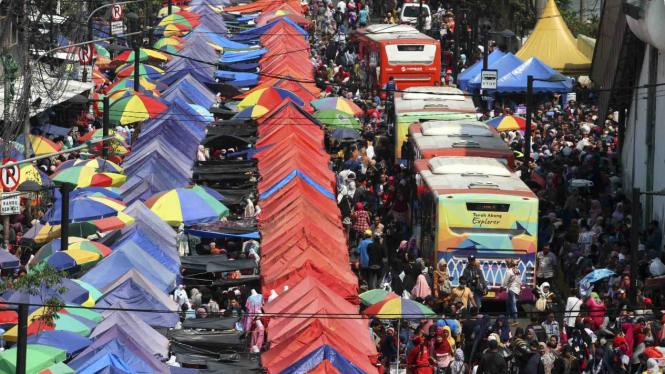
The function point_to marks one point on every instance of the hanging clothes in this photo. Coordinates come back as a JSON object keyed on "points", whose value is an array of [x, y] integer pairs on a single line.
{"points": [[253, 305]]}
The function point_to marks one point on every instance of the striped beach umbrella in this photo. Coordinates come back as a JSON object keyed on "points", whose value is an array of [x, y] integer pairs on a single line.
{"points": [[507, 123], [173, 40], [127, 70], [188, 206], [83, 176], [252, 112], [268, 97], [136, 108]]}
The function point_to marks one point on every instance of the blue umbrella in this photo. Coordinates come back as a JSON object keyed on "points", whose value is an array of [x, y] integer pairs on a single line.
{"points": [[69, 341], [344, 133], [8, 260], [210, 192], [87, 191], [597, 275], [75, 294], [83, 209]]}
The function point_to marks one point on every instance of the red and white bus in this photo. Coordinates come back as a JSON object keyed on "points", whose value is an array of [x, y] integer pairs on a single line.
{"points": [[398, 51], [459, 138]]}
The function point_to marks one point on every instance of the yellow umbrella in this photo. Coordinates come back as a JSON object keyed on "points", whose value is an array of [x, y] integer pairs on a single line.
{"points": [[165, 11]]}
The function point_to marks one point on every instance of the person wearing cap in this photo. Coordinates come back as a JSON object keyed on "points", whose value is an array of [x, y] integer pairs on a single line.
{"points": [[492, 362], [377, 251], [476, 280], [363, 253]]}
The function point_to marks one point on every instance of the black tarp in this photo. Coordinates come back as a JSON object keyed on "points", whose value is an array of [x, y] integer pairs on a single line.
{"points": [[236, 282], [227, 141], [226, 178], [213, 341], [248, 365], [218, 266], [228, 122], [210, 323], [237, 227], [230, 168], [198, 262], [231, 129]]}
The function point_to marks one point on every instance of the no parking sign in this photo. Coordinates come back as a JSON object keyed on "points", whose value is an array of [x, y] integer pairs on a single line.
{"points": [[10, 176]]}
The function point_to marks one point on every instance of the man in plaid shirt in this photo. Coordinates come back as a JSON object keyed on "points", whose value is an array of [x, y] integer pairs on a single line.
{"points": [[551, 326]]}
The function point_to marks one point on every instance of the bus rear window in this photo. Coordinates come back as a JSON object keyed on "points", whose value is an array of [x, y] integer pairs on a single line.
{"points": [[412, 11], [487, 207], [411, 53]]}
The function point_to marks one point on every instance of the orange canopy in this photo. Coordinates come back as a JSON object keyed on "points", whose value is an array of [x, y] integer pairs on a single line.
{"points": [[282, 132], [303, 293], [263, 6]]}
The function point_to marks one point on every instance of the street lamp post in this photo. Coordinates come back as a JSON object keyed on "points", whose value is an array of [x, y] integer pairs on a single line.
{"points": [[635, 240], [527, 128]]}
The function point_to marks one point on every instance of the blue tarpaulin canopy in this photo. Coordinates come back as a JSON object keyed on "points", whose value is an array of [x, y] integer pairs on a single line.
{"points": [[232, 57], [139, 241], [216, 39], [324, 352], [155, 165], [53, 129], [200, 72], [504, 65], [516, 80], [75, 294], [147, 186], [473, 70], [68, 341], [107, 363], [257, 32], [235, 75], [150, 339], [289, 177], [193, 89]]}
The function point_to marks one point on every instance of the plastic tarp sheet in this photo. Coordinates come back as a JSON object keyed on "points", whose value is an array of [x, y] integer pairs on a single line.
{"points": [[306, 291], [473, 70], [296, 161], [215, 341], [135, 297], [221, 323], [70, 342], [214, 24], [321, 354], [107, 363], [194, 89], [280, 230], [147, 186], [148, 337], [186, 67], [156, 165], [235, 75], [305, 209], [503, 66], [116, 341], [257, 32], [291, 176], [516, 80], [149, 222], [8, 261], [75, 294], [233, 57], [123, 260], [221, 235], [552, 42], [216, 39], [145, 284], [168, 257], [200, 262], [231, 265], [258, 6]]}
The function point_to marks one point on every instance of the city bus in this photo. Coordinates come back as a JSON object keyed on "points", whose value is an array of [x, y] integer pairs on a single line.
{"points": [[477, 206], [398, 51], [419, 104], [459, 138]]}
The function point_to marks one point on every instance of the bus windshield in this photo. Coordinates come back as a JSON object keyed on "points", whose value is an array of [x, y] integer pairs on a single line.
{"points": [[412, 11], [411, 53]]}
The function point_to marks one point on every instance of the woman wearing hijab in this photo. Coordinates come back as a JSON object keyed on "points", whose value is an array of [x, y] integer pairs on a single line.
{"points": [[418, 359], [413, 246], [546, 357], [201, 154], [479, 335], [503, 329], [441, 281], [458, 366], [442, 352], [617, 216], [389, 347], [195, 298], [629, 337], [567, 364], [597, 309], [595, 210], [421, 289], [448, 335]]}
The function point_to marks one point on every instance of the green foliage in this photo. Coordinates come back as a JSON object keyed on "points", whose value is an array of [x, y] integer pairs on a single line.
{"points": [[31, 284], [572, 18]]}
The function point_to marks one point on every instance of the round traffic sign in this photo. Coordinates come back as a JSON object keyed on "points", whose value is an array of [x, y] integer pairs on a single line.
{"points": [[86, 53], [10, 176], [116, 12]]}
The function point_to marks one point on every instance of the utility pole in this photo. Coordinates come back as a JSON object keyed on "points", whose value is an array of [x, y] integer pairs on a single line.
{"points": [[7, 101], [420, 15], [527, 129], [137, 65], [170, 7]]}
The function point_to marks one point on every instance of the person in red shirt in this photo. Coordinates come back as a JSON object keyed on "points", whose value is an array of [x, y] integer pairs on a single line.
{"points": [[418, 358]]}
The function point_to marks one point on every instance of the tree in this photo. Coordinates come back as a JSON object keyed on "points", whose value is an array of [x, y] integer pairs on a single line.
{"points": [[572, 19]]}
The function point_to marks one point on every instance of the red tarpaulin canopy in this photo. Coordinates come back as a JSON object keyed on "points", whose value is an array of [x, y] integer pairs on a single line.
{"points": [[263, 6], [293, 193], [324, 219], [288, 225], [277, 170], [280, 267], [303, 293], [276, 153], [297, 249], [287, 112], [281, 133]]}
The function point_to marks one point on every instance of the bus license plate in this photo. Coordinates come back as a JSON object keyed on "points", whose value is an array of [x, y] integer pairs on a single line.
{"points": [[490, 294]]}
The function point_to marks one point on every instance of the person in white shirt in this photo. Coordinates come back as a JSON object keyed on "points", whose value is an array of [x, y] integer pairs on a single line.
{"points": [[512, 283], [341, 6]]}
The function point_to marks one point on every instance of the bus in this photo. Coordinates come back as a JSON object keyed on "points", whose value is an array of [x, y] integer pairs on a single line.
{"points": [[477, 206], [398, 51], [458, 138], [419, 104]]}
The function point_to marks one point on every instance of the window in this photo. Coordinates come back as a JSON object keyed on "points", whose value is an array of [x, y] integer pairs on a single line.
{"points": [[412, 11], [411, 53]]}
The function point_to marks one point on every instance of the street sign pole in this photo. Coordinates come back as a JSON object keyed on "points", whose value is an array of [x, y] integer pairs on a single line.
{"points": [[116, 20]]}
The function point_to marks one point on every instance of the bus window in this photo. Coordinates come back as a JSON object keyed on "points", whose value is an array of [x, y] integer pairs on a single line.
{"points": [[411, 53], [412, 10]]}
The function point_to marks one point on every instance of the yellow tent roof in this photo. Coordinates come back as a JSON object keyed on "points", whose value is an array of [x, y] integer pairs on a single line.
{"points": [[552, 43]]}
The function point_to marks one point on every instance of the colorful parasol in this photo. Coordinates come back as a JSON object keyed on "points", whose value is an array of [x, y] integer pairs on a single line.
{"points": [[127, 70], [72, 309], [252, 112], [115, 147], [173, 40], [336, 119], [41, 233], [64, 322], [172, 29], [98, 104], [182, 18], [58, 368], [42, 146], [188, 206], [38, 357], [506, 123], [101, 51], [165, 11], [171, 49], [399, 308], [99, 78], [136, 108], [126, 92], [94, 293], [31, 175], [268, 97], [98, 134], [144, 55], [71, 259], [145, 84], [372, 297], [102, 61], [344, 105], [77, 244], [209, 190], [83, 176], [82, 209]]}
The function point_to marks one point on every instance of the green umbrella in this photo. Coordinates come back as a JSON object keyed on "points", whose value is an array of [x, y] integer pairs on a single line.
{"points": [[58, 368], [39, 357], [374, 296], [336, 118], [101, 51], [94, 293], [83, 312]]}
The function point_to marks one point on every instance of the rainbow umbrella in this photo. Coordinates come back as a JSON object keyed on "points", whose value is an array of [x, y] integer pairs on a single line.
{"points": [[337, 119], [102, 61], [99, 78], [171, 49], [173, 40], [506, 123], [183, 18], [38, 358], [172, 29], [372, 297], [72, 309], [32, 178], [72, 259], [58, 368], [165, 11], [252, 112], [136, 108], [399, 308], [341, 104], [42, 146], [83, 176], [98, 164], [146, 84], [127, 70], [64, 322], [41, 233], [188, 206], [101, 51], [77, 244], [144, 55], [209, 190], [126, 92], [94, 293], [268, 97], [98, 134], [83, 209]]}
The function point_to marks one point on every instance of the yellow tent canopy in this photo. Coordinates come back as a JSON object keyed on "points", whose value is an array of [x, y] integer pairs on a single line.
{"points": [[552, 43]]}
